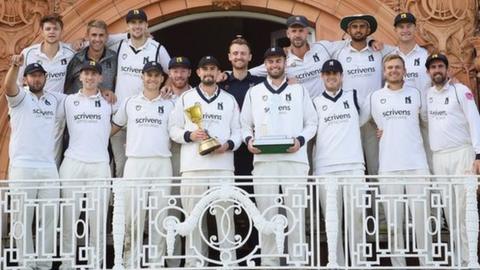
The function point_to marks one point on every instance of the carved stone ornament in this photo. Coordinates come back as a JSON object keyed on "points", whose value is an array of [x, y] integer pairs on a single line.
{"points": [[226, 4]]}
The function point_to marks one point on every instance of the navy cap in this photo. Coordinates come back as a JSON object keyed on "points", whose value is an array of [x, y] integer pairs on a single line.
{"points": [[152, 66], [136, 14], [332, 65], [345, 22], [297, 20], [34, 67], [91, 65], [274, 51], [179, 61], [405, 17], [208, 60], [434, 57]]}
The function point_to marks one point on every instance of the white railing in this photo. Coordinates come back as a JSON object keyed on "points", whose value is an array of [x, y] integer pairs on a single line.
{"points": [[413, 227]]}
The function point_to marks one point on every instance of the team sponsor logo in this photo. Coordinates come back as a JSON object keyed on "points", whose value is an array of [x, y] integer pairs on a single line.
{"points": [[416, 62], [55, 75], [438, 114], [396, 113], [361, 71], [63, 61], [383, 100], [283, 108], [98, 104], [87, 117], [446, 101], [76, 103], [138, 107], [411, 75], [160, 109], [39, 112], [220, 106], [408, 100], [47, 102], [371, 58], [308, 75], [346, 105], [131, 69], [124, 56], [265, 98], [337, 118], [288, 97], [210, 116], [324, 107], [349, 59], [146, 121], [316, 58]]}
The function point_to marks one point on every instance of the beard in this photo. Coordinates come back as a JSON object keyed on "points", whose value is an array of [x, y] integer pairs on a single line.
{"points": [[179, 83], [275, 75], [439, 78], [208, 80], [35, 88]]}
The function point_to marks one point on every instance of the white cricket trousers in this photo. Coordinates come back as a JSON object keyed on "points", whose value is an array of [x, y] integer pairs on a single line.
{"points": [[195, 246], [266, 197], [42, 198], [140, 196], [118, 143], [458, 161], [95, 208], [348, 202], [419, 209]]}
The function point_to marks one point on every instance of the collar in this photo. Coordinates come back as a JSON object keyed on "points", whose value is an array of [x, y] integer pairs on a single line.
{"points": [[399, 52], [366, 48], [445, 87], [59, 53], [278, 90], [329, 96], [394, 91], [143, 97], [97, 95], [231, 78], [129, 42], [85, 54], [204, 96]]}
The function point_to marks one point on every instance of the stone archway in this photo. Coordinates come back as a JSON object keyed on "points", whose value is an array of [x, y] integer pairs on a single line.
{"points": [[322, 14]]}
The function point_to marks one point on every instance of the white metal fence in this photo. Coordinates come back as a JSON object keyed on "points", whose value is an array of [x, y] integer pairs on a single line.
{"points": [[431, 224]]}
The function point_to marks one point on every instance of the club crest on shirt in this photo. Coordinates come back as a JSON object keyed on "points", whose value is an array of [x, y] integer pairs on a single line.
{"points": [[63, 61], [138, 107], [160, 109], [383, 100], [220, 106], [47, 102], [346, 105], [371, 58], [288, 97], [316, 58], [416, 62], [98, 104], [446, 101], [145, 60], [408, 100]]}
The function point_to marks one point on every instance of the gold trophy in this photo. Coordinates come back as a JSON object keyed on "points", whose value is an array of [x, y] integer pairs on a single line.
{"points": [[194, 113]]}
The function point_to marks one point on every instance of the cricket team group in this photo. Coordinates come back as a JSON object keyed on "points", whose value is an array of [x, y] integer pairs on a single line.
{"points": [[349, 107]]}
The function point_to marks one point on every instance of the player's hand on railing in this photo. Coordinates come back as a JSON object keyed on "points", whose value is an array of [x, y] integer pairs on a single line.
{"points": [[295, 147], [252, 148], [198, 135]]}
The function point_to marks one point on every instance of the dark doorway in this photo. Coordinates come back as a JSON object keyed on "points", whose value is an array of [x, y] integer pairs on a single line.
{"points": [[198, 38]]}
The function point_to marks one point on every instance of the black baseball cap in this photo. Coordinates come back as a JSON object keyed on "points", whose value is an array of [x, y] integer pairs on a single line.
{"points": [[345, 22], [152, 66], [297, 20], [208, 60], [179, 61], [274, 51], [91, 65], [404, 17], [136, 14], [434, 57], [332, 65], [34, 67]]}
